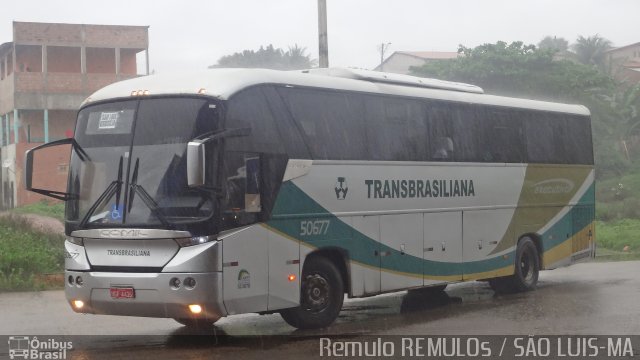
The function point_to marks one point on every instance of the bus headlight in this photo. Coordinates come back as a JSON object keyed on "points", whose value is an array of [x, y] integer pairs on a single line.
{"points": [[195, 240], [78, 304]]}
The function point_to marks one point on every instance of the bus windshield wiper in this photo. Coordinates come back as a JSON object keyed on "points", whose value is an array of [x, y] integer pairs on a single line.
{"points": [[147, 199], [113, 188]]}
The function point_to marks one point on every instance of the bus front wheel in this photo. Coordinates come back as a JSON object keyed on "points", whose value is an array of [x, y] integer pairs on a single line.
{"points": [[321, 296], [527, 267]]}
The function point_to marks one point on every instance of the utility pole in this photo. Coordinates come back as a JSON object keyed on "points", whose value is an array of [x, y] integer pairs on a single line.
{"points": [[383, 48], [323, 43]]}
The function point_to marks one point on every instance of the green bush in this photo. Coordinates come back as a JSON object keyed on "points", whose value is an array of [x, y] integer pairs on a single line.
{"points": [[26, 253]]}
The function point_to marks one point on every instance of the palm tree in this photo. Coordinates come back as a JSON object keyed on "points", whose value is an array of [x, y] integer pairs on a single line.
{"points": [[591, 50], [557, 44], [297, 58]]}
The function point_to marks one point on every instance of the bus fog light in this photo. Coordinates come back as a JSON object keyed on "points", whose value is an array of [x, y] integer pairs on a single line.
{"points": [[189, 283], [78, 304], [70, 280], [195, 309], [175, 283], [79, 281]]}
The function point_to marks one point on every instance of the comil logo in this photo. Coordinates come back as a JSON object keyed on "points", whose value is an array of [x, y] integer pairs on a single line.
{"points": [[25, 347], [341, 188], [553, 186]]}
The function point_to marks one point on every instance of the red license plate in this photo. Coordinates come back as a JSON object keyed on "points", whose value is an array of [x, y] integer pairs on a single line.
{"points": [[122, 293]]}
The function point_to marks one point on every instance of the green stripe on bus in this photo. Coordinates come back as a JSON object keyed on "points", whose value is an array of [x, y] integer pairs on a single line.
{"points": [[294, 205]]}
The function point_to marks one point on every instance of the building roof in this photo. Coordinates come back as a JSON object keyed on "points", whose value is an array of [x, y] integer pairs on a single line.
{"points": [[431, 55], [623, 47], [224, 83], [422, 55]]}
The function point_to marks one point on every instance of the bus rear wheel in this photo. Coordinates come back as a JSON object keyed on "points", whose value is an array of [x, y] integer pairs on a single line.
{"points": [[527, 268], [321, 296]]}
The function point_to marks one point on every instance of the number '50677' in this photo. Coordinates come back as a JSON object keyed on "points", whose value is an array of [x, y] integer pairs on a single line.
{"points": [[314, 227]]}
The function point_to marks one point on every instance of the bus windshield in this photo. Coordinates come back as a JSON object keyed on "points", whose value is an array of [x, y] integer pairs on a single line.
{"points": [[135, 169]]}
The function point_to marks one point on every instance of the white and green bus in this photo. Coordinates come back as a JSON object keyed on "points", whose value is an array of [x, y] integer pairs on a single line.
{"points": [[234, 191]]}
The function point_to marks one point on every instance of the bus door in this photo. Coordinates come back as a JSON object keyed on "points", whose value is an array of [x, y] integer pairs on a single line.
{"points": [[582, 243]]}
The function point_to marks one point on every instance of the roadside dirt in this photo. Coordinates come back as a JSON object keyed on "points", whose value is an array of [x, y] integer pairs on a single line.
{"points": [[40, 223]]}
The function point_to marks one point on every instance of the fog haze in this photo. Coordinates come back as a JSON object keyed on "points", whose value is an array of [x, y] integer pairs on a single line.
{"points": [[194, 34]]}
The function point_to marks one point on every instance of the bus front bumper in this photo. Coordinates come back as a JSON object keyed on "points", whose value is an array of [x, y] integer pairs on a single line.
{"points": [[152, 295]]}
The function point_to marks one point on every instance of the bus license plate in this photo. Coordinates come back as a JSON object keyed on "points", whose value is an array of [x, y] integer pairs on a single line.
{"points": [[122, 293]]}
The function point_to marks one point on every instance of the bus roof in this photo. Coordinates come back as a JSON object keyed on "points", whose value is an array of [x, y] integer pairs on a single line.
{"points": [[224, 83]]}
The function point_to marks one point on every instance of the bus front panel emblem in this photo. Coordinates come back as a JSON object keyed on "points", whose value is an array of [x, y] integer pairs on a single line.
{"points": [[341, 188]]}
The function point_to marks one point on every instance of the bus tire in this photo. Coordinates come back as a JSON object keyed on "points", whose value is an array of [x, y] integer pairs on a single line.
{"points": [[527, 268], [196, 323], [321, 295]]}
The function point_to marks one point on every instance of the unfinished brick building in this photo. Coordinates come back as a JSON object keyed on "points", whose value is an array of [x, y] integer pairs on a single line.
{"points": [[45, 74]]}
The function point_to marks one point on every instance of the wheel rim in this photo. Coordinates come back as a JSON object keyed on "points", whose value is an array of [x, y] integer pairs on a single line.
{"points": [[316, 293], [527, 267]]}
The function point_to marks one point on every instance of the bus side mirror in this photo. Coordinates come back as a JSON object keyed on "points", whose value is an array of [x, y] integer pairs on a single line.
{"points": [[196, 153], [196, 163], [44, 167]]}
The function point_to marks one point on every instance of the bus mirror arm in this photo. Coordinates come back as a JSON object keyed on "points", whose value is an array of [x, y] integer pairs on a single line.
{"points": [[196, 158]]}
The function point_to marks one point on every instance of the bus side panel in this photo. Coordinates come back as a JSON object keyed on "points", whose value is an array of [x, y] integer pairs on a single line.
{"points": [[402, 233], [284, 271], [482, 231], [442, 247], [365, 278], [556, 240], [245, 270]]}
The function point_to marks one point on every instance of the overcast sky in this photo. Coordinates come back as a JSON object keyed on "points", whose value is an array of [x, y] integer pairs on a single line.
{"points": [[194, 34]]}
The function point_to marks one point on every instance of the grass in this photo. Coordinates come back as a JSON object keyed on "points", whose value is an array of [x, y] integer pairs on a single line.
{"points": [[43, 207], [26, 255], [618, 234], [605, 255]]}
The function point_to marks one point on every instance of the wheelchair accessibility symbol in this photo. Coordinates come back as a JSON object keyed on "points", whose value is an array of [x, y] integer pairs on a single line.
{"points": [[116, 213]]}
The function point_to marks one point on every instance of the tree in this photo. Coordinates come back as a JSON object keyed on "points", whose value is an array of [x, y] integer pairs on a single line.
{"points": [[622, 119], [526, 71], [521, 70], [555, 44], [295, 58], [591, 50]]}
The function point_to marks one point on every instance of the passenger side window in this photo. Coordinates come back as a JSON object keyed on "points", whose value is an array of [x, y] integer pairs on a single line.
{"points": [[502, 137], [396, 129], [331, 122], [544, 138], [440, 146], [579, 142], [249, 109], [466, 127]]}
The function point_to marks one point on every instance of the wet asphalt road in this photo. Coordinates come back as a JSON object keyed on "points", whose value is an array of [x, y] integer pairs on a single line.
{"points": [[591, 298]]}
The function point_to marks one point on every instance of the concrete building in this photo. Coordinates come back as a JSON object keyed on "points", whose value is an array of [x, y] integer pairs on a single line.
{"points": [[46, 71], [623, 63], [400, 61]]}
